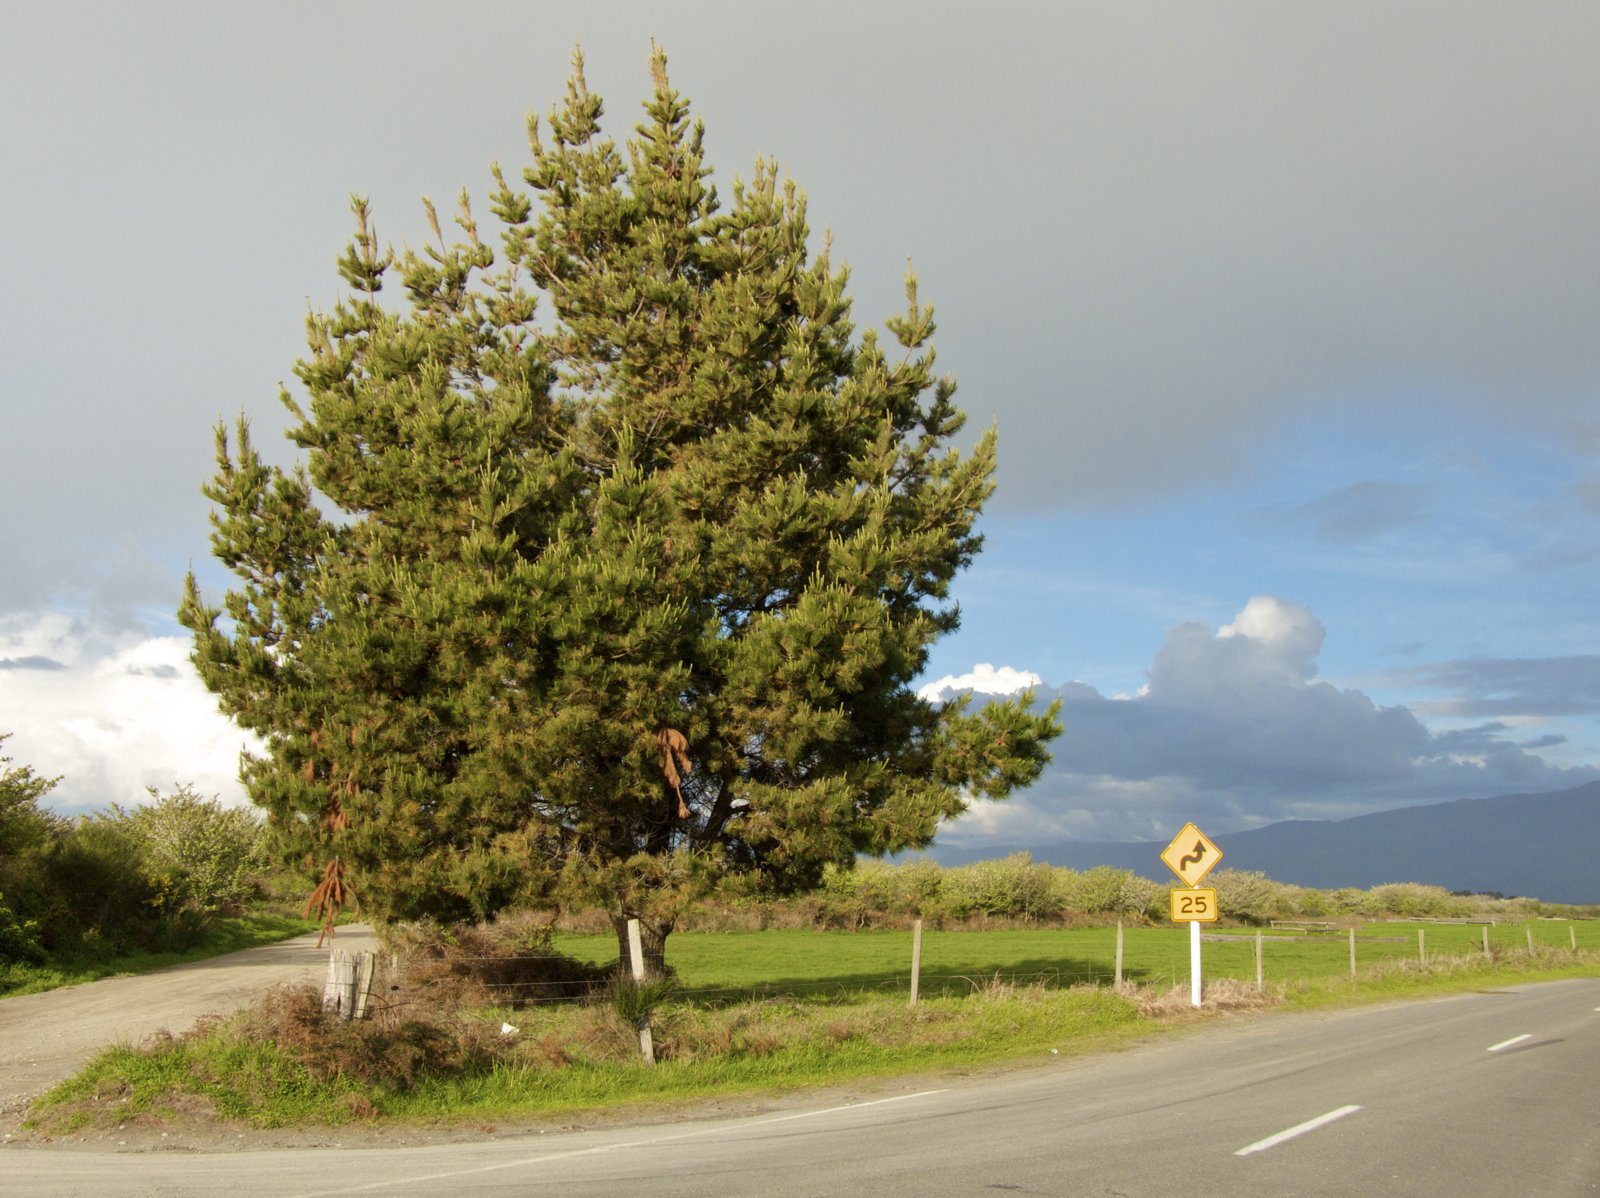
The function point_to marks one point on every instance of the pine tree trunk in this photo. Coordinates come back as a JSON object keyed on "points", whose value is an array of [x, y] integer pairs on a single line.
{"points": [[652, 938]]}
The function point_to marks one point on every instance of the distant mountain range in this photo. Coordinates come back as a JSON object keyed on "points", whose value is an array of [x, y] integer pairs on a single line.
{"points": [[1544, 846]]}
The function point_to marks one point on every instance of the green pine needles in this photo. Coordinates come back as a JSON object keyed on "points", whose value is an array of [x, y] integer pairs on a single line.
{"points": [[614, 555]]}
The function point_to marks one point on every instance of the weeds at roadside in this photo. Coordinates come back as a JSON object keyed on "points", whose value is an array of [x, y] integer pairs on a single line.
{"points": [[288, 1063], [512, 962], [1223, 994]]}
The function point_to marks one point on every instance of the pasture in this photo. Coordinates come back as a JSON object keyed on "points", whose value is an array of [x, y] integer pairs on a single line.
{"points": [[809, 963]]}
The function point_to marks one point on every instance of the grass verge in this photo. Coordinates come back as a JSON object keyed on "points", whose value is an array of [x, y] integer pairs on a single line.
{"points": [[1442, 975], [283, 1064], [584, 1059]]}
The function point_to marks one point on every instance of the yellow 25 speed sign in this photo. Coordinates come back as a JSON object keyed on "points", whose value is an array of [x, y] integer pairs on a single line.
{"points": [[1194, 905]]}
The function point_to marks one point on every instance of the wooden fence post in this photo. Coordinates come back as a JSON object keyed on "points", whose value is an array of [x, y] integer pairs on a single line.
{"points": [[339, 989], [366, 972], [1260, 980], [1529, 930], [647, 1048], [916, 960], [1352, 954], [1119, 955], [1422, 946], [1486, 940], [1572, 934]]}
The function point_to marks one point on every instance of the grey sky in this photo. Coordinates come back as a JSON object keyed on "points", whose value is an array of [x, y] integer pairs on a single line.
{"points": [[1153, 232], [1267, 299]]}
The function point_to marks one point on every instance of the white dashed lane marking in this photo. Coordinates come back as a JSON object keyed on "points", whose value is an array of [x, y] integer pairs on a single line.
{"points": [[1299, 1129], [1510, 1042]]}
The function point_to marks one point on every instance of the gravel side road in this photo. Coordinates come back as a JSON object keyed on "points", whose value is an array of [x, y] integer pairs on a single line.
{"points": [[46, 1038]]}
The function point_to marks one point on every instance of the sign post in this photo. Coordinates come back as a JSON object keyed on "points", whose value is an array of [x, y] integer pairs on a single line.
{"points": [[1194, 963], [1191, 856]]}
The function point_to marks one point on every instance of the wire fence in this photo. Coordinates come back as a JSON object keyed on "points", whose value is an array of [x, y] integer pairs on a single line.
{"points": [[1284, 955], [402, 987]]}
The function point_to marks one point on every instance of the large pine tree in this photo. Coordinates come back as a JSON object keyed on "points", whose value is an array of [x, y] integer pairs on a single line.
{"points": [[615, 556]]}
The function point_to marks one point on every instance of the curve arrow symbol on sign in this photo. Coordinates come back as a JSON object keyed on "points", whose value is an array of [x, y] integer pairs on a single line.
{"points": [[1191, 855]]}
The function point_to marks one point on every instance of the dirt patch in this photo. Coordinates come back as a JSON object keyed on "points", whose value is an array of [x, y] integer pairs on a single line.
{"points": [[46, 1038]]}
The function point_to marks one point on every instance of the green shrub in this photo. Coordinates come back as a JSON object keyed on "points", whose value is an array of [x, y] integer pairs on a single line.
{"points": [[19, 939], [915, 887], [1013, 887], [1314, 904], [142, 880], [872, 893], [853, 894], [1250, 896], [198, 855], [634, 1001], [101, 899], [1413, 900], [1099, 890], [1347, 901], [24, 828], [27, 836], [1141, 896]]}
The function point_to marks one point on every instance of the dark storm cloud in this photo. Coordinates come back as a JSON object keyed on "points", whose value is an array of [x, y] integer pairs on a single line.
{"points": [[1587, 493], [155, 671], [1235, 728], [1505, 687], [1354, 513], [1550, 740]]}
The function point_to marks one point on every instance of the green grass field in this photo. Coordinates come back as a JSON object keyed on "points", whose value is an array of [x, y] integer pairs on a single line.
{"points": [[816, 963]]}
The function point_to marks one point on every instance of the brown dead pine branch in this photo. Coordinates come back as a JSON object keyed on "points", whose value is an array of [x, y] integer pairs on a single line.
{"points": [[675, 763]]}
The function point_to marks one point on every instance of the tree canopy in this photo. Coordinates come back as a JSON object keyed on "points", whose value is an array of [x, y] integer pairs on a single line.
{"points": [[614, 554]]}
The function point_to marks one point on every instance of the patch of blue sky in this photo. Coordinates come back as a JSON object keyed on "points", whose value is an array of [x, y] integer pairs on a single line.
{"points": [[1418, 534]]}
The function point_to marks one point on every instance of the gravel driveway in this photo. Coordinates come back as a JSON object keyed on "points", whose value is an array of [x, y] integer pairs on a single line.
{"points": [[46, 1038]]}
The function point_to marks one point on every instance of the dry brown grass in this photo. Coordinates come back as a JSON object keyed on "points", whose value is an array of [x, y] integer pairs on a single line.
{"points": [[389, 1049], [511, 962], [1175, 1002]]}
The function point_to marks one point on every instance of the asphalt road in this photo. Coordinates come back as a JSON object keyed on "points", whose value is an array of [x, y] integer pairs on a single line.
{"points": [[1493, 1093]]}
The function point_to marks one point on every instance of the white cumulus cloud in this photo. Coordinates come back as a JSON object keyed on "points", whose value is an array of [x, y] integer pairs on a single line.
{"points": [[1235, 729], [111, 712], [984, 679]]}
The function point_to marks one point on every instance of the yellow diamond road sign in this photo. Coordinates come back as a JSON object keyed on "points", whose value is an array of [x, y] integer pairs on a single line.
{"points": [[1191, 855]]}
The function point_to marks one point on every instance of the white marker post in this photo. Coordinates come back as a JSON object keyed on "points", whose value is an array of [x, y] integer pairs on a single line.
{"points": [[1194, 906], [1194, 962], [647, 1047]]}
